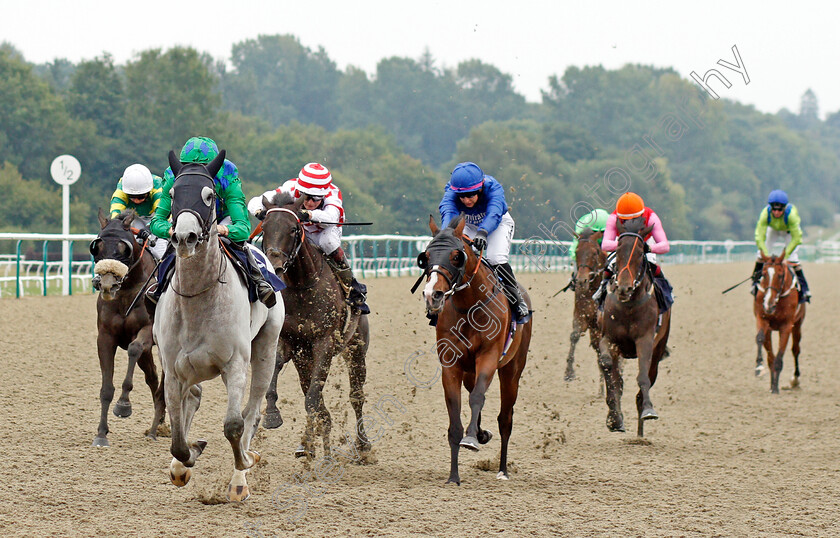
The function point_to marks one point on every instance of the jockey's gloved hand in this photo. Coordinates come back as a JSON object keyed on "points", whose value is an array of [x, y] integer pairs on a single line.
{"points": [[143, 234], [260, 214], [480, 241], [305, 216]]}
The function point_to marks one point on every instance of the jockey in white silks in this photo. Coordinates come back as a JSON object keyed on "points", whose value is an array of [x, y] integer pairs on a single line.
{"points": [[322, 215]]}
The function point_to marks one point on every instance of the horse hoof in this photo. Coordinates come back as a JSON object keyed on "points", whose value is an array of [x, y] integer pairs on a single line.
{"points": [[774, 390], [122, 410], [301, 452], [273, 420], [794, 382], [759, 370], [151, 436], [470, 442], [180, 479], [484, 437], [649, 414], [502, 476], [101, 442], [256, 455], [570, 376], [617, 426], [200, 444], [456, 481], [238, 493]]}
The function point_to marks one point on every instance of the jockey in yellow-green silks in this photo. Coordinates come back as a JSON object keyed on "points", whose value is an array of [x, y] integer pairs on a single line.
{"points": [[779, 227], [140, 190]]}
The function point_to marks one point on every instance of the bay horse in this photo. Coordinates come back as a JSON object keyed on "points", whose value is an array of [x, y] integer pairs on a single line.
{"points": [[591, 261], [319, 326], [122, 267], [474, 339], [631, 325], [206, 327], [777, 308]]}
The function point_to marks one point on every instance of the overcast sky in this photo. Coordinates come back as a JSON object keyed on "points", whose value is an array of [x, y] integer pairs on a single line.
{"points": [[785, 47]]}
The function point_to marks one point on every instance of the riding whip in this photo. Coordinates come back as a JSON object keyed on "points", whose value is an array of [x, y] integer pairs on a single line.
{"points": [[143, 289], [736, 285], [569, 285]]}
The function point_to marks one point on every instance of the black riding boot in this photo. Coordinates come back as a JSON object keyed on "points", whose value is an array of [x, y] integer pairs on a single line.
{"points": [[264, 290], [806, 293], [756, 276], [357, 296], [517, 303]]}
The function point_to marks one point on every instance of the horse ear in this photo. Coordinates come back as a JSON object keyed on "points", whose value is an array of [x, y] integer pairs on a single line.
{"points": [[216, 164], [267, 203], [129, 218], [433, 225], [103, 220], [645, 231], [459, 229], [619, 226], [174, 163], [597, 236]]}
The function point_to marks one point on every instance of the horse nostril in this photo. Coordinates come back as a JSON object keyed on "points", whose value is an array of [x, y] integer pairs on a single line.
{"points": [[437, 295], [192, 237]]}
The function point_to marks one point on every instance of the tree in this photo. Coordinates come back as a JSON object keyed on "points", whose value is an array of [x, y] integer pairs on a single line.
{"points": [[97, 94]]}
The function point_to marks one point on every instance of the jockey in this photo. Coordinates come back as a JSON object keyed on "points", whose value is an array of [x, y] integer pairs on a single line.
{"points": [[231, 213], [630, 206], [322, 209], [139, 190], [779, 227], [596, 220], [482, 200]]}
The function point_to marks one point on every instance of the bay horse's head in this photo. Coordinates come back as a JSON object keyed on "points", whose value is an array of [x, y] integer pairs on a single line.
{"points": [[283, 233], [630, 257], [114, 252], [776, 283], [445, 262], [193, 203], [589, 258]]}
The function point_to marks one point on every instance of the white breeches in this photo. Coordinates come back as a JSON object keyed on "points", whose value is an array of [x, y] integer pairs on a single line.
{"points": [[498, 242], [776, 242], [327, 239]]}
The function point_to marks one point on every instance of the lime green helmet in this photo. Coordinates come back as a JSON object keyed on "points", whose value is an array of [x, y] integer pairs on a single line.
{"points": [[199, 149]]}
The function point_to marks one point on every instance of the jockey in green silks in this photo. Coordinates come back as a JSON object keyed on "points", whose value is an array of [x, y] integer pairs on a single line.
{"points": [[596, 220]]}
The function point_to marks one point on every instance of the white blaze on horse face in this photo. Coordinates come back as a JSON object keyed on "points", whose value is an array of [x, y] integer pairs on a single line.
{"points": [[430, 286], [770, 274]]}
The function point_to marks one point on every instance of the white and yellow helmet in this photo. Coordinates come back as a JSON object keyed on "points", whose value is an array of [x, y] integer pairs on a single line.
{"points": [[137, 180]]}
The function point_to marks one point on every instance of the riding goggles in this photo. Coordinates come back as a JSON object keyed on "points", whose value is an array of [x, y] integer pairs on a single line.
{"points": [[313, 197]]}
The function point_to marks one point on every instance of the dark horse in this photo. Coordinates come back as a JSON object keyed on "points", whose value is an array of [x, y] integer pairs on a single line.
{"points": [[474, 339], [123, 267], [590, 270], [319, 324], [777, 308], [631, 325]]}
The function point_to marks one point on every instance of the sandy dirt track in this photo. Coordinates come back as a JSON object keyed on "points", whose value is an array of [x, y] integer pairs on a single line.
{"points": [[726, 458]]}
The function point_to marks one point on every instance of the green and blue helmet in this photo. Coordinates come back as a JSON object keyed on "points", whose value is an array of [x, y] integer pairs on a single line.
{"points": [[199, 149]]}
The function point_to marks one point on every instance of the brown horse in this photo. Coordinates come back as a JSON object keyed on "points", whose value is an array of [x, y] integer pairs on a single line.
{"points": [[473, 338], [590, 270], [631, 326], [319, 324], [123, 267], [777, 308]]}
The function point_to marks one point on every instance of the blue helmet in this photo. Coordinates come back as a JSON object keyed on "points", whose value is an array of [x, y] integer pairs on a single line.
{"points": [[777, 197], [466, 178]]}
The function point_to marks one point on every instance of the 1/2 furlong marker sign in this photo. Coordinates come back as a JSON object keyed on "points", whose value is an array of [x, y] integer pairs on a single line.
{"points": [[65, 170]]}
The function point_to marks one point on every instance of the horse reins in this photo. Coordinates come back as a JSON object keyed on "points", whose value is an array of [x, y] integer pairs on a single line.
{"points": [[637, 279], [222, 271], [779, 292]]}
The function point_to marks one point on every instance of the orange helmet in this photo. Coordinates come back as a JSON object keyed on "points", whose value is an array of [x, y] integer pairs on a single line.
{"points": [[629, 206]]}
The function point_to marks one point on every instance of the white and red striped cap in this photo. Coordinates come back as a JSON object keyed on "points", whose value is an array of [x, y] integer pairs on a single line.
{"points": [[314, 179]]}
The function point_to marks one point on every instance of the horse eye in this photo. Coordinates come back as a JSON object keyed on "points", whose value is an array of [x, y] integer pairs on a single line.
{"points": [[458, 259]]}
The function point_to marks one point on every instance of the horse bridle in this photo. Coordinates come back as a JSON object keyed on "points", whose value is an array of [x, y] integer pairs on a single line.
{"points": [[779, 292], [641, 274], [131, 245], [455, 284], [601, 254], [300, 235]]}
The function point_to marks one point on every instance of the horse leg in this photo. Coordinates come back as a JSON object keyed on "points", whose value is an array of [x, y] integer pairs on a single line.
{"points": [[653, 372], [263, 361], [122, 408], [485, 368], [272, 414], [594, 339], [509, 386], [484, 436], [573, 340], [183, 403], [147, 365], [759, 341], [235, 378], [357, 370], [771, 361], [316, 410], [778, 362], [608, 362], [797, 336], [644, 351], [302, 359], [452, 378], [106, 347]]}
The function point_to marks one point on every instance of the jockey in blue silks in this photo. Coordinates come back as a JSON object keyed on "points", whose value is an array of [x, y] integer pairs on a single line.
{"points": [[488, 224]]}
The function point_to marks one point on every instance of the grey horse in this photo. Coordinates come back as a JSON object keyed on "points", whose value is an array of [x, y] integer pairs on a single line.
{"points": [[205, 327]]}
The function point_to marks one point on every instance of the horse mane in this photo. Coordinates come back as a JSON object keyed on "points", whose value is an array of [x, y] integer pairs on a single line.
{"points": [[586, 233], [281, 199], [634, 225]]}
